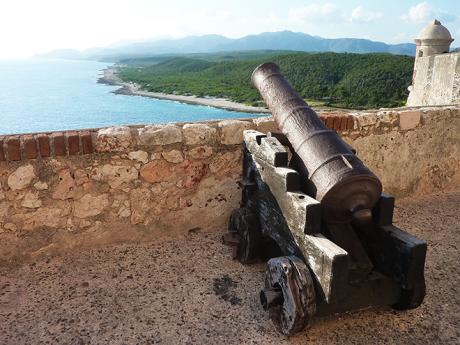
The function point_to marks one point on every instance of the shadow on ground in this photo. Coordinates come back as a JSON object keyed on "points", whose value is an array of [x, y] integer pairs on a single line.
{"points": [[189, 291]]}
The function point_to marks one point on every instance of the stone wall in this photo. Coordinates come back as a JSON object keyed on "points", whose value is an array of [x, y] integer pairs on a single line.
{"points": [[436, 80], [64, 191]]}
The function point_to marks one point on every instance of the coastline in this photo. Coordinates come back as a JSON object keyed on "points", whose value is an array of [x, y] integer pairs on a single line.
{"points": [[131, 89]]}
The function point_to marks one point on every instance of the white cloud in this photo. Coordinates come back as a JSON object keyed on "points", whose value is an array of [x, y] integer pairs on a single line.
{"points": [[314, 12], [360, 15], [424, 12], [419, 13], [328, 11]]}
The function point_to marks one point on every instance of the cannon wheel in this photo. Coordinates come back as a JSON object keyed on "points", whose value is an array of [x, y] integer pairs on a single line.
{"points": [[289, 294], [244, 231]]}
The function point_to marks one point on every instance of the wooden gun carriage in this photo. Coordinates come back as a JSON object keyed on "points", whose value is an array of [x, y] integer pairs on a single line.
{"points": [[327, 235]]}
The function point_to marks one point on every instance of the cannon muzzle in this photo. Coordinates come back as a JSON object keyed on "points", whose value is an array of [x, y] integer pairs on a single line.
{"points": [[346, 188]]}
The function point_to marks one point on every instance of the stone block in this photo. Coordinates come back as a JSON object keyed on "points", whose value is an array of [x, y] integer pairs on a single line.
{"points": [[156, 155], [40, 185], [366, 119], [199, 134], [226, 163], [158, 171], [141, 203], [90, 206], [159, 135], [388, 117], [81, 177], [173, 156], [140, 156], [31, 200], [66, 186], [46, 217], [409, 119], [114, 139], [21, 177], [193, 172], [232, 131], [201, 152], [116, 175]]}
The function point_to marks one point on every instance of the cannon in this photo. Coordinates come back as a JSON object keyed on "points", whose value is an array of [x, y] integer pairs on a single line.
{"points": [[318, 216]]}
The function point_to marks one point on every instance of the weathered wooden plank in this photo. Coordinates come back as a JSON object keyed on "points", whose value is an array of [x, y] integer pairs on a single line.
{"points": [[400, 256], [359, 263], [328, 262], [273, 223], [271, 151], [268, 149], [377, 290], [252, 140], [382, 214], [302, 213], [409, 261], [282, 180], [248, 166]]}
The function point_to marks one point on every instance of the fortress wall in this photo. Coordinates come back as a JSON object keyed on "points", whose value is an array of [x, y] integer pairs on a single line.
{"points": [[64, 191], [436, 80]]}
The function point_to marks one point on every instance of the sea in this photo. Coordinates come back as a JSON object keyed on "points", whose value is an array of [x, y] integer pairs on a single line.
{"points": [[41, 95]]}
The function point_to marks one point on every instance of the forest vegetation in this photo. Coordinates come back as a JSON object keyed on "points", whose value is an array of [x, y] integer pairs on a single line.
{"points": [[332, 79]]}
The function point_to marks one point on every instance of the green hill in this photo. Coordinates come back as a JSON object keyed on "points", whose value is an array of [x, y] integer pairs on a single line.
{"points": [[337, 79], [178, 65]]}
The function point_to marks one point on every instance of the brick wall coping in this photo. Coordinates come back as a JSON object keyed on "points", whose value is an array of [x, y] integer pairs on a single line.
{"points": [[44, 145]]}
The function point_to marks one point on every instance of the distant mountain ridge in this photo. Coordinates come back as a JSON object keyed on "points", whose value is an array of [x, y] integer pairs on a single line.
{"points": [[281, 40]]}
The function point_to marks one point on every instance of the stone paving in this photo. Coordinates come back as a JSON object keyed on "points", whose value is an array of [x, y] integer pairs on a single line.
{"points": [[189, 291]]}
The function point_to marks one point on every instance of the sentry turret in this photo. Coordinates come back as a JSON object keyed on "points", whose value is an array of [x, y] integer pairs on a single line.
{"points": [[434, 39]]}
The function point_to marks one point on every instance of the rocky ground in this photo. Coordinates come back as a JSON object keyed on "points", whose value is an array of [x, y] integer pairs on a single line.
{"points": [[189, 291]]}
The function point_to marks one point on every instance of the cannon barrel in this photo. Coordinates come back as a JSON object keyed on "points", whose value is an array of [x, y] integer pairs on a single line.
{"points": [[346, 188]]}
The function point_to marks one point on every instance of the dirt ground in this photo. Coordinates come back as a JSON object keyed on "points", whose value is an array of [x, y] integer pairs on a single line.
{"points": [[189, 291]]}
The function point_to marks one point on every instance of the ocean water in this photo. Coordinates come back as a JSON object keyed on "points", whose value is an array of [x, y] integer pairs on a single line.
{"points": [[48, 95]]}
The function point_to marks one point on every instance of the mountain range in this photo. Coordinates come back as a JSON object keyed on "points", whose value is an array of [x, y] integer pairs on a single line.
{"points": [[281, 40]]}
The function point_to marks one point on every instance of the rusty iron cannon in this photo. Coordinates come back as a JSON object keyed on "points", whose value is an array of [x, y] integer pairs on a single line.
{"points": [[317, 214]]}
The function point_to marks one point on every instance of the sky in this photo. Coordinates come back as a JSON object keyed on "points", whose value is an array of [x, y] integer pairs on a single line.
{"points": [[29, 27]]}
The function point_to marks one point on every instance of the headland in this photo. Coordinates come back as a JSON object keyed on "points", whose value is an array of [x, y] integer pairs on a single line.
{"points": [[110, 77]]}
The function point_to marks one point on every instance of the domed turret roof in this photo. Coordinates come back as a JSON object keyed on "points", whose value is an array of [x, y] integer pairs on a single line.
{"points": [[435, 31]]}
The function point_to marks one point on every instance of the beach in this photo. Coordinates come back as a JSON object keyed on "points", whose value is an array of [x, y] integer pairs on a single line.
{"points": [[110, 77]]}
